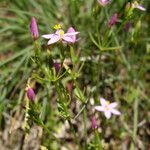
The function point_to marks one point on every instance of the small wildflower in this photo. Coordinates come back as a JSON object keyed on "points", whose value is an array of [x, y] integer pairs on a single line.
{"points": [[138, 6], [113, 20], [30, 93], [34, 28], [60, 35], [108, 108], [104, 2], [94, 124]]}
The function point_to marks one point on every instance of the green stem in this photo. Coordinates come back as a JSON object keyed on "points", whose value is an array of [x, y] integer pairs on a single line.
{"points": [[37, 49], [98, 141], [85, 127], [135, 126], [76, 139]]}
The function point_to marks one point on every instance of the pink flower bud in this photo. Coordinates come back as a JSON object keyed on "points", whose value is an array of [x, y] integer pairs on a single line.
{"points": [[30, 94], [113, 20], [57, 67], [72, 30], [103, 2], [34, 28], [94, 124]]}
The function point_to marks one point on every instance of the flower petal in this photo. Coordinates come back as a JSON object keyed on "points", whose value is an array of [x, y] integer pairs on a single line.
{"points": [[141, 7], [116, 112], [103, 101], [48, 36], [67, 38], [113, 105], [99, 108], [103, 2], [107, 114], [72, 33], [54, 39], [71, 30]]}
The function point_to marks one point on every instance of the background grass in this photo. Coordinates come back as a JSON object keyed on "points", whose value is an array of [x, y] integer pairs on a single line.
{"points": [[121, 73]]}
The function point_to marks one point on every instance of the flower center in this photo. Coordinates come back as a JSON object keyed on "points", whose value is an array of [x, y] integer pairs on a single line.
{"points": [[61, 32], [107, 105], [108, 102]]}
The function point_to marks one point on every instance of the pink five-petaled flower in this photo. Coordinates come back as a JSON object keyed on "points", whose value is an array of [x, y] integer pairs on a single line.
{"points": [[113, 20], [34, 28], [30, 94], [60, 35], [138, 6], [94, 124], [104, 2], [108, 108]]}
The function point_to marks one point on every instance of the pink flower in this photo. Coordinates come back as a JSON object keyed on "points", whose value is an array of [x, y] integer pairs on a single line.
{"points": [[113, 20], [30, 94], [94, 124], [60, 35], [138, 6], [34, 28], [72, 30], [108, 108], [104, 2]]}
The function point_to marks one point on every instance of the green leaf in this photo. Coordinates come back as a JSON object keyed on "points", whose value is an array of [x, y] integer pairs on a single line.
{"points": [[74, 57], [63, 100], [80, 94], [132, 95]]}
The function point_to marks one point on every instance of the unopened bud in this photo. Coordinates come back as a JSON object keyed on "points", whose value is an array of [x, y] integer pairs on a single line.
{"points": [[57, 67], [34, 28], [113, 20], [30, 94], [94, 124]]}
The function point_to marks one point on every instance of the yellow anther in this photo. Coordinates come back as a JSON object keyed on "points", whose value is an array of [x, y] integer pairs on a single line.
{"points": [[108, 102], [57, 27]]}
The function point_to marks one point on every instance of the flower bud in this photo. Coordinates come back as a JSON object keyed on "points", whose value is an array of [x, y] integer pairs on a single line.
{"points": [[34, 28], [94, 124], [30, 94], [113, 20], [57, 67]]}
